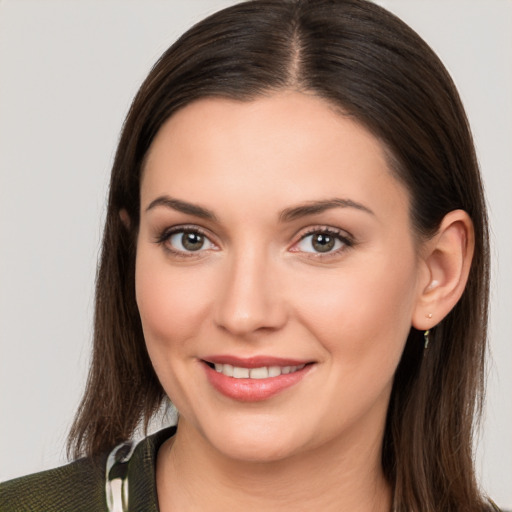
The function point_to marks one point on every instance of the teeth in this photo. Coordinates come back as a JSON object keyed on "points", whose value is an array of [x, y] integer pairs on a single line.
{"points": [[240, 373], [274, 371], [256, 373]]}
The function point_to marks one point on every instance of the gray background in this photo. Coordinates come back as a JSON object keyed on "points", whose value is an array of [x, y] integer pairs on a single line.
{"points": [[68, 71]]}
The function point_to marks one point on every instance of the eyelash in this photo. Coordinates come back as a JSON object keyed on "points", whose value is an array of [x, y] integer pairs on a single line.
{"points": [[345, 238], [342, 236], [166, 234]]}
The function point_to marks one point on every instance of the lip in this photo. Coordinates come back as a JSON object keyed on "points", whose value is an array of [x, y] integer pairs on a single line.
{"points": [[253, 390], [254, 361]]}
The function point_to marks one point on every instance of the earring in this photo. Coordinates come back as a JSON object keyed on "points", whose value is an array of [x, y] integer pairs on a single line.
{"points": [[426, 338]]}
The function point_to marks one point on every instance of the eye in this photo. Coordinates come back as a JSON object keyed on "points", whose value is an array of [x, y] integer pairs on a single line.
{"points": [[322, 242], [186, 241]]}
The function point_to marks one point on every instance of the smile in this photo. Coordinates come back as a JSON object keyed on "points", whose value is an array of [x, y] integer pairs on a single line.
{"points": [[264, 372], [254, 379]]}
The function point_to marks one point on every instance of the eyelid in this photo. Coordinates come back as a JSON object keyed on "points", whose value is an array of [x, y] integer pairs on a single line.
{"points": [[344, 236], [163, 237]]}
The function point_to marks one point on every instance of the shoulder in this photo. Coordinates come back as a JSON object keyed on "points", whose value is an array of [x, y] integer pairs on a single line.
{"points": [[78, 486], [83, 485]]}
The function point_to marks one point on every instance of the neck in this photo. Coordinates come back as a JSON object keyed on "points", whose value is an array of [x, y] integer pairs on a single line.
{"points": [[344, 475]]}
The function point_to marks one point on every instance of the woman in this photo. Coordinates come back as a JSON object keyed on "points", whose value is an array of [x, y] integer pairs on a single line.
{"points": [[295, 253]]}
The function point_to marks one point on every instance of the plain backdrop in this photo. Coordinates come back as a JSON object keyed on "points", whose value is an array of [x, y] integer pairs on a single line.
{"points": [[68, 71]]}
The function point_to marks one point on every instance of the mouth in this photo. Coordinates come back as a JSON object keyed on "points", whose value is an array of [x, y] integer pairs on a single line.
{"points": [[262, 372], [254, 379]]}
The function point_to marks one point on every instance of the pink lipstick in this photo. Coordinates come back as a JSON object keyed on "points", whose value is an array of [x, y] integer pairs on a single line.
{"points": [[253, 379]]}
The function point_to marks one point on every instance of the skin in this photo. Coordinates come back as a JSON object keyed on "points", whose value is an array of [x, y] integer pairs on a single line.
{"points": [[257, 287]]}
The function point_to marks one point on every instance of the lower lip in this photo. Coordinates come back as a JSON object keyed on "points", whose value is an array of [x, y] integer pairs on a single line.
{"points": [[253, 390]]}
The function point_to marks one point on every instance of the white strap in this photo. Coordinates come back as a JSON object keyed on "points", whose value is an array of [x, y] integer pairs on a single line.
{"points": [[116, 489]]}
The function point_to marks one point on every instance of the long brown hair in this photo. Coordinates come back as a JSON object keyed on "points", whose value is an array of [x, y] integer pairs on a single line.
{"points": [[364, 60]]}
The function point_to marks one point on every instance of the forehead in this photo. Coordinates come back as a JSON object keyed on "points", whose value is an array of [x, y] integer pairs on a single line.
{"points": [[287, 147]]}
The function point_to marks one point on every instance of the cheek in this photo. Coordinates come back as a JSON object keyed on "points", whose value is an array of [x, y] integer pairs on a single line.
{"points": [[364, 313], [171, 311], [170, 302]]}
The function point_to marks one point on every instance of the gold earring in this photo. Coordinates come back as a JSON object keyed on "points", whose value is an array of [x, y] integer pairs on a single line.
{"points": [[426, 338]]}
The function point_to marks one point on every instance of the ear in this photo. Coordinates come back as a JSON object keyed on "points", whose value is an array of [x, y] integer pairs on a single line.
{"points": [[447, 260], [125, 218]]}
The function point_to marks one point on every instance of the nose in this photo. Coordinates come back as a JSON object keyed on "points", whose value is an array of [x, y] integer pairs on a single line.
{"points": [[250, 298]]}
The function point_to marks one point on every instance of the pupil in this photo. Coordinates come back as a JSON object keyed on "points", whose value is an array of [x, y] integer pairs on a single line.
{"points": [[192, 241], [323, 242]]}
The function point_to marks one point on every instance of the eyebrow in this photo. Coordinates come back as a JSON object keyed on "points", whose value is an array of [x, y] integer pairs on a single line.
{"points": [[183, 207], [287, 215], [313, 207]]}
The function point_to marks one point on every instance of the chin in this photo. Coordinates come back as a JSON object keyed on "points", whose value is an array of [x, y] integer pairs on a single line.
{"points": [[255, 450], [255, 442]]}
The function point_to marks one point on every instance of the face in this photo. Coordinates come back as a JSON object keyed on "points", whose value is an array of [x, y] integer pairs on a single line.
{"points": [[276, 274]]}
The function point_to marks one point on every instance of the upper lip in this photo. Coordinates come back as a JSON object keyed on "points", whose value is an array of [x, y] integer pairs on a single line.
{"points": [[255, 361]]}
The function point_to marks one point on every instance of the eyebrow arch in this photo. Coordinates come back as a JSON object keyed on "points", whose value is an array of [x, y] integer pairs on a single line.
{"points": [[313, 207], [183, 207]]}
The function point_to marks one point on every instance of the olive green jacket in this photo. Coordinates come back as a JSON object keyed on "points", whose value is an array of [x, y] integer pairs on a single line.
{"points": [[83, 486]]}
